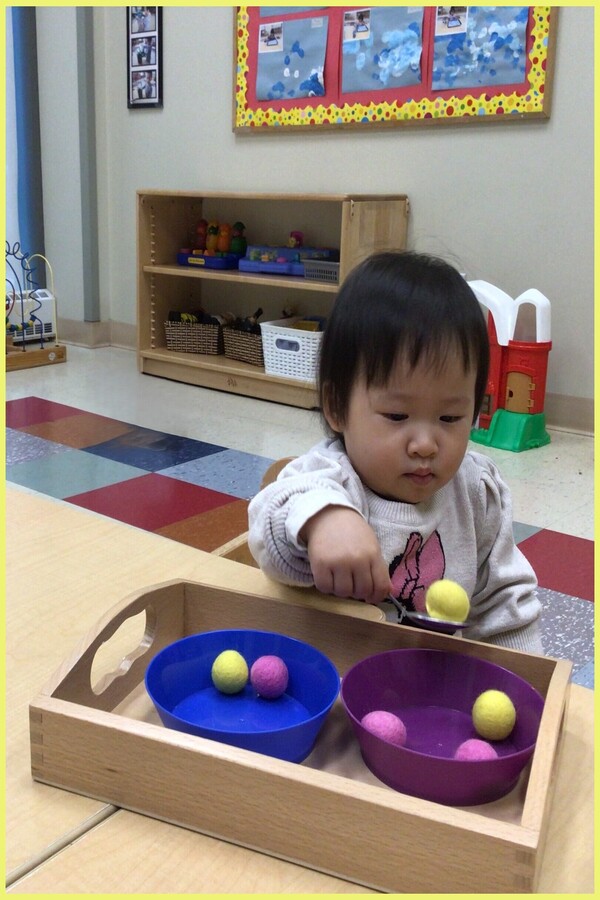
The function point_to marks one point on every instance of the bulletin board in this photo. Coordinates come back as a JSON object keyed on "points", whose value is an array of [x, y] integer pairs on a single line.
{"points": [[304, 68]]}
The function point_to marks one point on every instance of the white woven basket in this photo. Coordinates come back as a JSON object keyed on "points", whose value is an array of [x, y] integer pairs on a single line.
{"points": [[321, 270], [290, 352]]}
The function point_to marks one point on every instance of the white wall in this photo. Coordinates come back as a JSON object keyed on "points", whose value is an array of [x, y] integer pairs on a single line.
{"points": [[59, 128], [512, 203]]}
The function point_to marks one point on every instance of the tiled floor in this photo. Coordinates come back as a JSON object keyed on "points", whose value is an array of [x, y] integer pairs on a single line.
{"points": [[183, 461]]}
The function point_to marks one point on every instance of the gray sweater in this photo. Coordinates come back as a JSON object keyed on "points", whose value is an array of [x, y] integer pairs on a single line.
{"points": [[464, 532]]}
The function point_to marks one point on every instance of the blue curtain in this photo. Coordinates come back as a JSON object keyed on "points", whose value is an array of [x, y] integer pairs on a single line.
{"points": [[29, 160]]}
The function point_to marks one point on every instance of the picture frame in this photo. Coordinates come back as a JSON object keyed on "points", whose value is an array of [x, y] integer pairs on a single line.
{"points": [[144, 57], [307, 69]]}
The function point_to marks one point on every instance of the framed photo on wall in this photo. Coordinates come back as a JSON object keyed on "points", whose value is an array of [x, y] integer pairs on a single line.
{"points": [[144, 57]]}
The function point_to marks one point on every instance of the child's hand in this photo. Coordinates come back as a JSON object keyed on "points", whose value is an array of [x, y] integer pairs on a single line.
{"points": [[345, 556]]}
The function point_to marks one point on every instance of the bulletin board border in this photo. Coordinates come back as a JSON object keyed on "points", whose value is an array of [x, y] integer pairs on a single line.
{"points": [[530, 100]]}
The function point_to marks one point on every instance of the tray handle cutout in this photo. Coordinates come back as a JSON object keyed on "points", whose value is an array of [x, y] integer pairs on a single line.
{"points": [[110, 662], [156, 614]]}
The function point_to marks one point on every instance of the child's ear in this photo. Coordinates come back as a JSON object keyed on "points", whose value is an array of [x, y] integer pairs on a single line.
{"points": [[334, 422]]}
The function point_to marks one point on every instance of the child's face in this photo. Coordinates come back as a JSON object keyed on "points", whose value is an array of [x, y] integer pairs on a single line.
{"points": [[408, 438]]}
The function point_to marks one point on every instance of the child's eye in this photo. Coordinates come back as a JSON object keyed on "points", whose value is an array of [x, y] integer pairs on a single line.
{"points": [[396, 417], [450, 419]]}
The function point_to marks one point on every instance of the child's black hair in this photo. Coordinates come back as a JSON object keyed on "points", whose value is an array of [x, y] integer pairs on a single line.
{"points": [[399, 304]]}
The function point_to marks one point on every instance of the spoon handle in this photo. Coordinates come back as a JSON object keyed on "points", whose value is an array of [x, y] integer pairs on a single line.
{"points": [[399, 606]]}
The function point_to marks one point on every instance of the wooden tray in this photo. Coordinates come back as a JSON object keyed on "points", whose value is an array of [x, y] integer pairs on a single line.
{"points": [[330, 813]]}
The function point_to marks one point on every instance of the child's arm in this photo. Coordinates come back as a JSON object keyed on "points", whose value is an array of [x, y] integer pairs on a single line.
{"points": [[320, 480], [505, 609], [345, 556]]}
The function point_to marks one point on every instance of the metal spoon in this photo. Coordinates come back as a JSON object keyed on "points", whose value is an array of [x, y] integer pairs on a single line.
{"points": [[442, 625]]}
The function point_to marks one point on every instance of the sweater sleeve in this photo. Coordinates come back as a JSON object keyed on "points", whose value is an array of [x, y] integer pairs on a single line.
{"points": [[505, 609], [278, 512]]}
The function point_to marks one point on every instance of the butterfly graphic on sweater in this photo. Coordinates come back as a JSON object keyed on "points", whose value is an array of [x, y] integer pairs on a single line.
{"points": [[421, 563]]}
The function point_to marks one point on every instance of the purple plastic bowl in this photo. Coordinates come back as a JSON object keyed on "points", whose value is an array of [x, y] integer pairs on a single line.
{"points": [[433, 692], [178, 680]]}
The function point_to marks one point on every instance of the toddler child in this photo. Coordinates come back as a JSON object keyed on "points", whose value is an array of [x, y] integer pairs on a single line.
{"points": [[393, 500]]}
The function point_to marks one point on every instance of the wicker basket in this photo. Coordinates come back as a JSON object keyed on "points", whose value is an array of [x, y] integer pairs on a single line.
{"points": [[290, 352], [192, 337], [244, 345], [319, 270]]}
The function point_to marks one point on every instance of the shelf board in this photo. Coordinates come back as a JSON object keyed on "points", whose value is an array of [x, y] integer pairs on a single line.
{"points": [[234, 275], [222, 373], [157, 194]]}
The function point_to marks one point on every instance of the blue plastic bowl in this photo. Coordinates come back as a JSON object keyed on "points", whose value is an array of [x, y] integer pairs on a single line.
{"points": [[178, 680]]}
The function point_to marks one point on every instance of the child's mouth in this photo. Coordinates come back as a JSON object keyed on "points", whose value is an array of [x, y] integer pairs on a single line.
{"points": [[421, 477]]}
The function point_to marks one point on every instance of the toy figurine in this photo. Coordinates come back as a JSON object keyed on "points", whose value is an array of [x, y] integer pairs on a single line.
{"points": [[296, 239], [212, 236], [224, 238], [238, 241], [201, 229]]}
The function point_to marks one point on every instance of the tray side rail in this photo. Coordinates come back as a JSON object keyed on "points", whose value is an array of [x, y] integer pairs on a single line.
{"points": [[176, 609], [546, 757], [340, 826]]}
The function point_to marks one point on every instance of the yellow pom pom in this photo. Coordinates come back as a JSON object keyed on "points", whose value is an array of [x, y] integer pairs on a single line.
{"points": [[230, 672], [445, 599], [494, 715]]}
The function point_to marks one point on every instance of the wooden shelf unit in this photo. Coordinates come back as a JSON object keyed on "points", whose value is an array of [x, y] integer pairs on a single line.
{"points": [[356, 224]]}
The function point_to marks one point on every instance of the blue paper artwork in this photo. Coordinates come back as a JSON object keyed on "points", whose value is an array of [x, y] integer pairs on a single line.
{"points": [[382, 48], [488, 48], [276, 12], [291, 59]]}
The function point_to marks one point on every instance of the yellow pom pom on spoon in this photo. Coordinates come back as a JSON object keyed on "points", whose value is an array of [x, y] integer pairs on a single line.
{"points": [[447, 605], [447, 600]]}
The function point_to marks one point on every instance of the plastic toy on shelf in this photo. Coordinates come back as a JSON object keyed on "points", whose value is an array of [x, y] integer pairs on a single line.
{"points": [[30, 314], [512, 417], [200, 237], [214, 245], [224, 237], [283, 260], [212, 236], [238, 240]]}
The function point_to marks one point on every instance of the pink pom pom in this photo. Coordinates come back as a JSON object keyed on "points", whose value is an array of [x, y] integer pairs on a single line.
{"points": [[474, 749], [269, 677], [385, 725]]}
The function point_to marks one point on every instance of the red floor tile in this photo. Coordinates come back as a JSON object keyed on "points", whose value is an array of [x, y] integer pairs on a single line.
{"points": [[84, 430], [31, 410], [562, 562], [211, 529], [151, 501]]}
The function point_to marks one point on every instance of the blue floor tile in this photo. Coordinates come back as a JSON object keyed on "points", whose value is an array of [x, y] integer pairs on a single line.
{"points": [[230, 471], [152, 450], [521, 531], [567, 627], [584, 676], [72, 472], [23, 447]]}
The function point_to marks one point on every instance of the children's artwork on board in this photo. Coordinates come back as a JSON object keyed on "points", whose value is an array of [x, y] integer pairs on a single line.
{"points": [[486, 48], [273, 12], [332, 67], [382, 48], [291, 58]]}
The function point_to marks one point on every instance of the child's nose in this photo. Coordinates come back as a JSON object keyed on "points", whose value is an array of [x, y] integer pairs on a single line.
{"points": [[422, 443]]}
